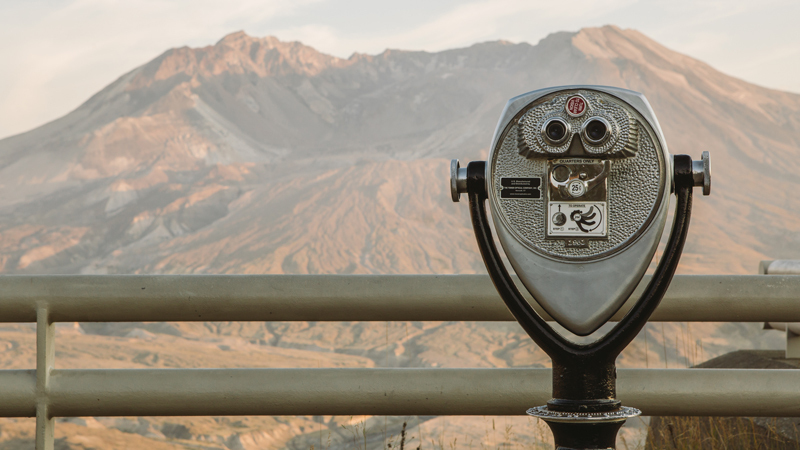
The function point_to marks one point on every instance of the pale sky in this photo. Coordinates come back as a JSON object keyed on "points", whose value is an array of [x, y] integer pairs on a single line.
{"points": [[56, 53]]}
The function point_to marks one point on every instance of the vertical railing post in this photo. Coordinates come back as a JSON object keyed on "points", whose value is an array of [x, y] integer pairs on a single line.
{"points": [[45, 356], [792, 343]]}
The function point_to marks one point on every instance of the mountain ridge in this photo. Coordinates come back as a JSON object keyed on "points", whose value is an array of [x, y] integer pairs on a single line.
{"points": [[210, 127]]}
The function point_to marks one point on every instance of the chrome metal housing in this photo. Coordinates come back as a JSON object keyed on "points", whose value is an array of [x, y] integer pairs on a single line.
{"points": [[548, 267]]}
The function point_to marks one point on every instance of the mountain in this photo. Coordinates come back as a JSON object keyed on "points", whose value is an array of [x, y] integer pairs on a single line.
{"points": [[261, 156]]}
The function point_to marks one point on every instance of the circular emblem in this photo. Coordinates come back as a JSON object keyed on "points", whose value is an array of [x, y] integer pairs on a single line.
{"points": [[576, 188], [576, 106]]}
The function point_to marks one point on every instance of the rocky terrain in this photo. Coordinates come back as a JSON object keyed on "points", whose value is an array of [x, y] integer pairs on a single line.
{"points": [[261, 156]]}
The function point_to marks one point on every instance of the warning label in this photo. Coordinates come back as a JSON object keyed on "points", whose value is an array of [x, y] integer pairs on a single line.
{"points": [[571, 219], [575, 106], [521, 187]]}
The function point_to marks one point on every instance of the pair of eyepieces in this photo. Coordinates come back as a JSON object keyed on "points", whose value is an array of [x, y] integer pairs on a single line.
{"points": [[595, 131]]}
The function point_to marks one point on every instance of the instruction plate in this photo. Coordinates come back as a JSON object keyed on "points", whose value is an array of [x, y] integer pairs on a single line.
{"points": [[576, 219]]}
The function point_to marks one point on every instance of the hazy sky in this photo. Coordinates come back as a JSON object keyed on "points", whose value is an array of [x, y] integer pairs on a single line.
{"points": [[57, 53]]}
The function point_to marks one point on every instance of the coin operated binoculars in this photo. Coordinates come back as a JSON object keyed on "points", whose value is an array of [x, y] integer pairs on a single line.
{"points": [[579, 180]]}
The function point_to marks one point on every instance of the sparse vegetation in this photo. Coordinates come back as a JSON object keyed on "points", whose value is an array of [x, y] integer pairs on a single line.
{"points": [[665, 433], [721, 433], [446, 435]]}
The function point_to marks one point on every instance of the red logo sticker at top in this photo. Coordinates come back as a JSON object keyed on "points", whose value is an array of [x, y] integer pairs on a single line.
{"points": [[576, 106]]}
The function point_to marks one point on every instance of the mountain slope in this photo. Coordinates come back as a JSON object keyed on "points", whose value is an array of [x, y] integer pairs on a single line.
{"points": [[197, 160]]}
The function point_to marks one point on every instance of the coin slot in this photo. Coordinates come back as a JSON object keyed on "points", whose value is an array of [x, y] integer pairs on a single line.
{"points": [[561, 173]]}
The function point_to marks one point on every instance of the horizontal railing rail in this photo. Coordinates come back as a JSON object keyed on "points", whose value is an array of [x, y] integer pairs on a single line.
{"points": [[393, 392], [48, 392], [179, 298]]}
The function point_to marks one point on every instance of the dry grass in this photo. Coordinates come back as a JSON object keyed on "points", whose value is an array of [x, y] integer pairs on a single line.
{"points": [[665, 433], [721, 433]]}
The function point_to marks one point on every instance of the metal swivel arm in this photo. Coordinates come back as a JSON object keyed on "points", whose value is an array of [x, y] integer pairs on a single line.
{"points": [[575, 388]]}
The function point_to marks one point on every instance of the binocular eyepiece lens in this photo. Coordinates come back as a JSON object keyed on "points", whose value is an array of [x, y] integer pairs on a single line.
{"points": [[595, 131], [555, 131]]}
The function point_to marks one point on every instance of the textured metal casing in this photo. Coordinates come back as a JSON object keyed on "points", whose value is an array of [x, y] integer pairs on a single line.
{"points": [[581, 288]]}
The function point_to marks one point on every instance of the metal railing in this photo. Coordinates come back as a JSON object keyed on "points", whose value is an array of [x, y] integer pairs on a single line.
{"points": [[48, 392]]}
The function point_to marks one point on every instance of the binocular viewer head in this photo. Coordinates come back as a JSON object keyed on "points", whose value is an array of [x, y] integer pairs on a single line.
{"points": [[579, 174], [578, 180]]}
